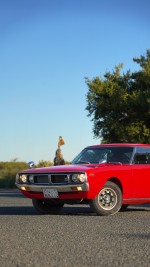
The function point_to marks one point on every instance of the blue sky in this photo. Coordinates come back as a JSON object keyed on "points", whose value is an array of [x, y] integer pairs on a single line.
{"points": [[47, 48]]}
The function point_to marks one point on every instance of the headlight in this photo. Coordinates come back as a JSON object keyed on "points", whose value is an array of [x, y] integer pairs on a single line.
{"points": [[23, 178], [78, 178]]}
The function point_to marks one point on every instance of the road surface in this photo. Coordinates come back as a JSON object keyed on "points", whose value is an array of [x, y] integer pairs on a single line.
{"points": [[75, 238]]}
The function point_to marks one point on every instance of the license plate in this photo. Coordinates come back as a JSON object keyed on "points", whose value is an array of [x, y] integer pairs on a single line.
{"points": [[50, 193]]}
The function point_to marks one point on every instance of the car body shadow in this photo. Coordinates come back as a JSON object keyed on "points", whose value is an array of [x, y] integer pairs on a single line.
{"points": [[66, 210]]}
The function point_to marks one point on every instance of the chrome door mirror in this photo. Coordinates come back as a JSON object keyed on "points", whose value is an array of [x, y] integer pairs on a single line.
{"points": [[31, 164]]}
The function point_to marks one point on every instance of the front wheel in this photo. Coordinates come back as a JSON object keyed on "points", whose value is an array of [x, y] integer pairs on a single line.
{"points": [[108, 201], [47, 206]]}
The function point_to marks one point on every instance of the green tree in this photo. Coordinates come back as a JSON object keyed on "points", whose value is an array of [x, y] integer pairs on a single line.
{"points": [[119, 104]]}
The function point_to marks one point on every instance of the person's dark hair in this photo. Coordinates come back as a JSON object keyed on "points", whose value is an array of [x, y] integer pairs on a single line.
{"points": [[58, 160]]}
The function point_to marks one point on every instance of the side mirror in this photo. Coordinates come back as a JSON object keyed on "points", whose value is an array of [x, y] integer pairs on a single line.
{"points": [[31, 164]]}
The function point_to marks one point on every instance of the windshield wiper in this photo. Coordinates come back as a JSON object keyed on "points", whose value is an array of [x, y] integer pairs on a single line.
{"points": [[83, 162], [117, 162]]}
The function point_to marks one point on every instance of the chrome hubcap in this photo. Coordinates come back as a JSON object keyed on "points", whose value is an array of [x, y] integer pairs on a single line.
{"points": [[107, 198]]}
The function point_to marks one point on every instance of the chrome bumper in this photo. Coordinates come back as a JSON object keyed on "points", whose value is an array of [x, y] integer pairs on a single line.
{"points": [[60, 188]]}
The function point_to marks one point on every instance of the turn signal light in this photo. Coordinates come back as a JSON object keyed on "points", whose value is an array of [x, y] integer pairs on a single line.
{"points": [[25, 188], [76, 188]]}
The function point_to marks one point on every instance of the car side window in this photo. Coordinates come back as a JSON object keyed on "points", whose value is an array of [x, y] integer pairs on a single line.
{"points": [[142, 156]]}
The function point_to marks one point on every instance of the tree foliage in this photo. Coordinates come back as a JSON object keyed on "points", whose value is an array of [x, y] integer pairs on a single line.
{"points": [[119, 104]]}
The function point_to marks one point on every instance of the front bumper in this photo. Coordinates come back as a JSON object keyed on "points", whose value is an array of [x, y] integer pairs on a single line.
{"points": [[65, 192], [60, 188]]}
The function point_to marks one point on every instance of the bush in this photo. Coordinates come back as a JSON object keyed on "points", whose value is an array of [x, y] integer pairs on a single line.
{"points": [[8, 172], [43, 163]]}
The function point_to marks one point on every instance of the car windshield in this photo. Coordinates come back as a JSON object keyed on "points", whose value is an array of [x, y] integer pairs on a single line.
{"points": [[97, 155]]}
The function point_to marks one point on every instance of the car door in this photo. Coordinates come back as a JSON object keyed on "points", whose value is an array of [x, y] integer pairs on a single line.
{"points": [[141, 173]]}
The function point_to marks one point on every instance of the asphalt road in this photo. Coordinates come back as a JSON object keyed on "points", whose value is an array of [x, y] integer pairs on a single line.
{"points": [[76, 238]]}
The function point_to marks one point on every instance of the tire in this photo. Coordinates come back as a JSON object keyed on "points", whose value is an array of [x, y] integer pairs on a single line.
{"points": [[108, 201], [47, 206]]}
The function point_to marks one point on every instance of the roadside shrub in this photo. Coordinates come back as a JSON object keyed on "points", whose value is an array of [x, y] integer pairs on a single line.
{"points": [[8, 172], [43, 163]]}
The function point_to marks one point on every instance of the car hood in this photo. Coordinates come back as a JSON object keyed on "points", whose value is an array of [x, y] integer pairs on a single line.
{"points": [[68, 168], [60, 168]]}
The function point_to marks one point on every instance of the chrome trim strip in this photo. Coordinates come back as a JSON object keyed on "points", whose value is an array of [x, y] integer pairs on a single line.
{"points": [[136, 199], [49, 179]]}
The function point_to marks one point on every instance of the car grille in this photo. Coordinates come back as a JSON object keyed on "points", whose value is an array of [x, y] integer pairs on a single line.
{"points": [[51, 179], [61, 179], [41, 179]]}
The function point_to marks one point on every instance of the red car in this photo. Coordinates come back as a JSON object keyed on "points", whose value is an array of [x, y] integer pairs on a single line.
{"points": [[108, 177]]}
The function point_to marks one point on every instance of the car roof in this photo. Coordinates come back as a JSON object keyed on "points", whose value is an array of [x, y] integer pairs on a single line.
{"points": [[120, 145]]}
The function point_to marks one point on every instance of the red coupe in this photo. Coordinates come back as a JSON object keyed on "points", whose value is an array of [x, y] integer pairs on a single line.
{"points": [[108, 177]]}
